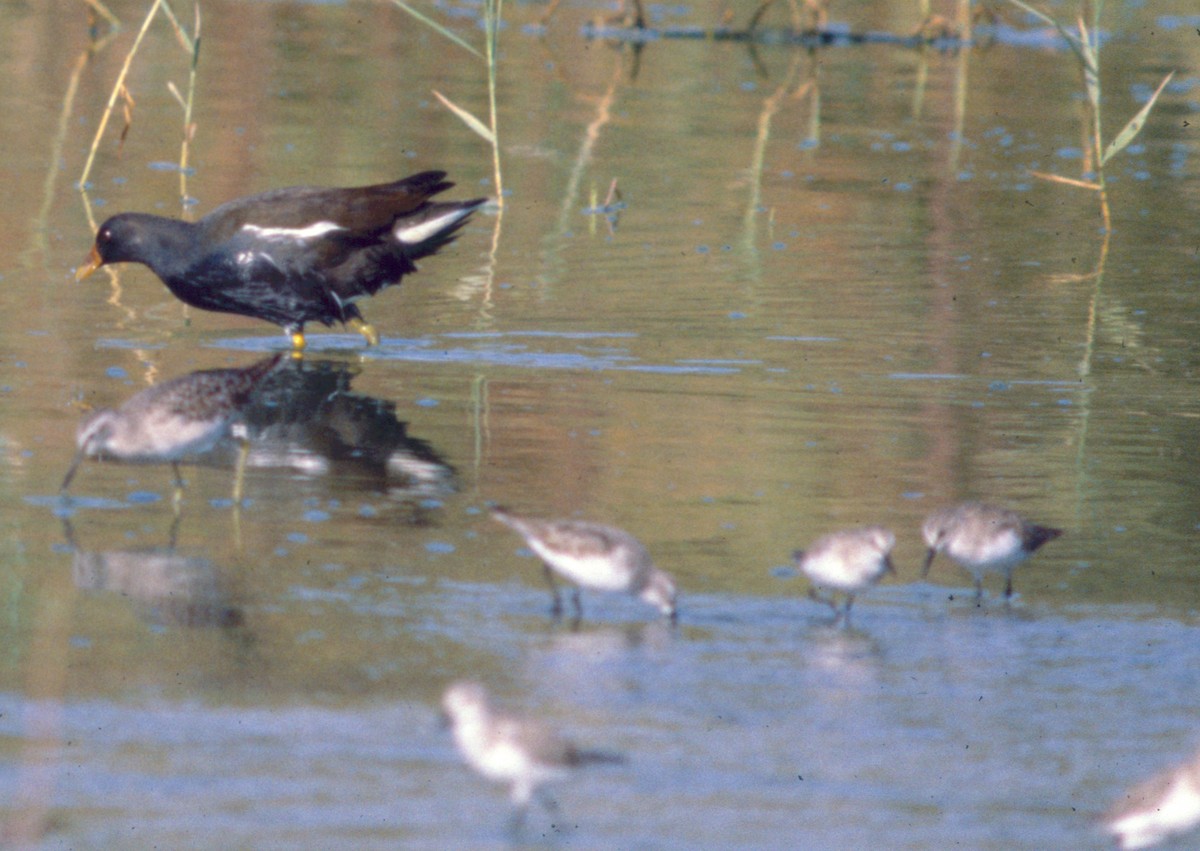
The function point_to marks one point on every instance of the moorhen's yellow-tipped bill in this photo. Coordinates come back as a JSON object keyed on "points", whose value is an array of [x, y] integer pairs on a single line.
{"points": [[91, 264], [291, 256]]}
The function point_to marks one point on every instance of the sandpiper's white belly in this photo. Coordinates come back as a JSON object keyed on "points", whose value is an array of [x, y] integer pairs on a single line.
{"points": [[997, 551], [600, 572]]}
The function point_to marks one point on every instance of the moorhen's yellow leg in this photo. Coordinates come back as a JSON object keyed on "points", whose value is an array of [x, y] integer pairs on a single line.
{"points": [[366, 329]]}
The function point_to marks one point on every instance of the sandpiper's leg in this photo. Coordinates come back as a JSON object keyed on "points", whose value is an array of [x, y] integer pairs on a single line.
{"points": [[517, 820], [174, 535], [177, 496], [815, 596], [979, 590], [366, 329], [1007, 584], [550, 805], [239, 475], [69, 532], [556, 606], [845, 613], [578, 604]]}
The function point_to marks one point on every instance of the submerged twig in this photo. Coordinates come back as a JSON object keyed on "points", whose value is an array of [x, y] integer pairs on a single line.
{"points": [[56, 148], [467, 118], [770, 106], [436, 27], [1067, 181]]}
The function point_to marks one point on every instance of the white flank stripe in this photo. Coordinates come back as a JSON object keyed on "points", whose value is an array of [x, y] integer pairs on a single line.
{"points": [[414, 234], [311, 232]]}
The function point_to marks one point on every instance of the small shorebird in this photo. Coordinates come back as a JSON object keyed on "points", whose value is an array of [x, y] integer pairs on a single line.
{"points": [[983, 537], [1157, 809], [170, 421], [590, 555], [521, 752], [848, 562]]}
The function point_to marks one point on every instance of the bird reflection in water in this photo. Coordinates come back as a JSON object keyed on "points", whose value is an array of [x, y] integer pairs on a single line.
{"points": [[277, 413], [179, 419], [305, 418], [166, 587]]}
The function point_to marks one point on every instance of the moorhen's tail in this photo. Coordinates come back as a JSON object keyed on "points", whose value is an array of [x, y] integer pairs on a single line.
{"points": [[424, 232]]}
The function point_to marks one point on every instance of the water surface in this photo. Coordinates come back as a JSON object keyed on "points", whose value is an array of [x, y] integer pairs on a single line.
{"points": [[833, 294]]}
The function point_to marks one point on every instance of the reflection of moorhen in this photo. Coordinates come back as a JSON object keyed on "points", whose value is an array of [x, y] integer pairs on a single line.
{"points": [[171, 421], [304, 417], [291, 256], [168, 588]]}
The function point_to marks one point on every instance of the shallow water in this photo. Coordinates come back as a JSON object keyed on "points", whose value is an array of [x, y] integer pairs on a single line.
{"points": [[808, 314]]}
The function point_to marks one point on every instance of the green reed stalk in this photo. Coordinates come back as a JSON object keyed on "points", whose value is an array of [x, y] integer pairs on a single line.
{"points": [[488, 132], [118, 87], [1086, 47], [192, 45], [491, 17]]}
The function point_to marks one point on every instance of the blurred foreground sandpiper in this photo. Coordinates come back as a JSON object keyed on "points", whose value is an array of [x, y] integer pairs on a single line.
{"points": [[1166, 805], [521, 752]]}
